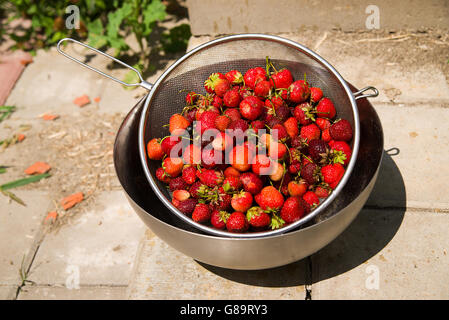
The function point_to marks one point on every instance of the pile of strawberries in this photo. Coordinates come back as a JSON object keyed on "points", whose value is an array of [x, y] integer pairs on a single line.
{"points": [[257, 151]]}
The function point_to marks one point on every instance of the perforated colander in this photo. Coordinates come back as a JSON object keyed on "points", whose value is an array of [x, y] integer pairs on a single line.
{"points": [[237, 52]]}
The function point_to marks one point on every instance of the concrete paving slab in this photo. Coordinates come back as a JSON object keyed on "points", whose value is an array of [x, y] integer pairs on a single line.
{"points": [[19, 227], [386, 254], [62, 293], [235, 16], [357, 65], [98, 248], [163, 273], [7, 292], [420, 135]]}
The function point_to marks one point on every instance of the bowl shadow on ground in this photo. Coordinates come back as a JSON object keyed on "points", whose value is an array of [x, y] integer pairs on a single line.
{"points": [[368, 234]]}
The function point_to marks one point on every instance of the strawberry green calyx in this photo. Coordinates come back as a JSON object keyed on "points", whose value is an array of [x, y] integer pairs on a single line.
{"points": [[211, 81], [276, 222], [338, 156], [253, 212], [224, 216]]}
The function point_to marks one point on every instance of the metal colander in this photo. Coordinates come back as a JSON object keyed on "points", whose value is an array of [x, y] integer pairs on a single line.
{"points": [[239, 52]]}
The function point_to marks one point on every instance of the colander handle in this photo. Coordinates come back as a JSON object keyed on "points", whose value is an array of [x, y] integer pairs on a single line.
{"points": [[142, 83], [358, 95]]}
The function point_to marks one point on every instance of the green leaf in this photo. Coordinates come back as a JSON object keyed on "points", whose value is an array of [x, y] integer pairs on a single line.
{"points": [[115, 19], [2, 169], [152, 13], [24, 181]]}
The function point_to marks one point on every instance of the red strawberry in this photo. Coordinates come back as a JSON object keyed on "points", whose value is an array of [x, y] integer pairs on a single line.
{"points": [[172, 166], [218, 219], [311, 198], [201, 213], [271, 199], [234, 76], [162, 176], [257, 125], [191, 98], [262, 165], [178, 184], [222, 200], [326, 136], [231, 98], [222, 122], [245, 92], [277, 172], [315, 94], [181, 195], [310, 132], [341, 130], [277, 150], [262, 88], [258, 218], [201, 110], [251, 107], [154, 149], [310, 172], [254, 75], [231, 183], [294, 168], [332, 174], [187, 206], [325, 109], [297, 188], [197, 189], [168, 143], [221, 87], [282, 79], [233, 114], [240, 158], [322, 192], [291, 125], [251, 182], [342, 152], [302, 113], [292, 210], [323, 123], [213, 79], [192, 154], [178, 124], [206, 121], [238, 128], [210, 157], [231, 172], [217, 102], [242, 201], [237, 222], [317, 149], [298, 91], [210, 178], [222, 141], [279, 132]]}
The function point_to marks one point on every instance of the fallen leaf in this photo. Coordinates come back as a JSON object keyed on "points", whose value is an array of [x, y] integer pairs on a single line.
{"points": [[51, 216], [50, 116], [38, 167], [70, 201], [82, 100]]}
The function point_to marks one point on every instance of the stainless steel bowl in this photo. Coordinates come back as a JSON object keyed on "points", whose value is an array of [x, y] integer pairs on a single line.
{"points": [[250, 253]]}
